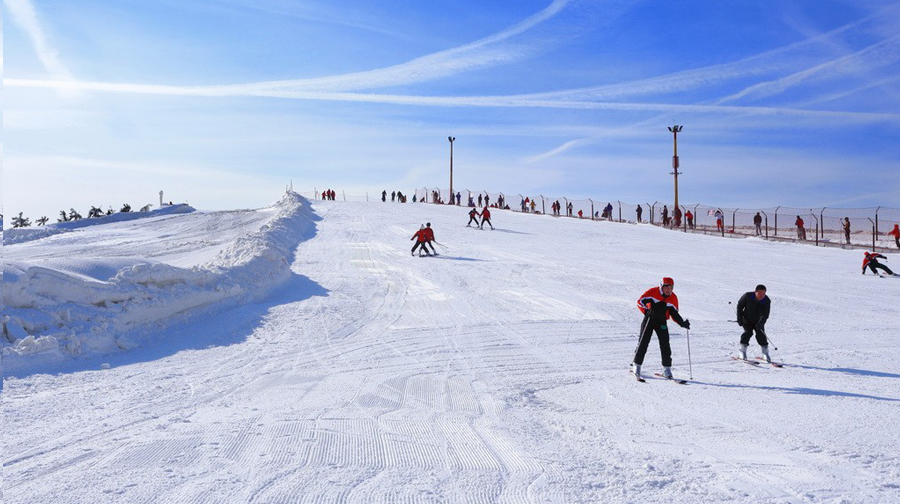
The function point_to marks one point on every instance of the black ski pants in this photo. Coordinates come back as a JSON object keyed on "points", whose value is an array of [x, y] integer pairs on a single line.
{"points": [[471, 220], [662, 334], [488, 221], [749, 329], [873, 266], [417, 245]]}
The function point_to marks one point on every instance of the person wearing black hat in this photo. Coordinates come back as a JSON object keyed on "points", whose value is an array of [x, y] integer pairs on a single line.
{"points": [[658, 304], [752, 314]]}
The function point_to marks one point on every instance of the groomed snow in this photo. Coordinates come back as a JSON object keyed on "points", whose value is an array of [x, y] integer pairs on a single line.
{"points": [[496, 372]]}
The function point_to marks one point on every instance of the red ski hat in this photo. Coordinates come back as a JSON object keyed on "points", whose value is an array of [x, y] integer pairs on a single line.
{"points": [[667, 281]]}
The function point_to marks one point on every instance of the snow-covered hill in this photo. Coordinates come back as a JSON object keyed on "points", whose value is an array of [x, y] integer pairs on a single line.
{"points": [[496, 372]]}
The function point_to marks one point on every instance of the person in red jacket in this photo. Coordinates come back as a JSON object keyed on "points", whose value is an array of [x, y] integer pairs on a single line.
{"points": [[801, 231], [429, 238], [896, 234], [472, 217], [658, 304], [871, 261], [485, 217], [420, 237]]}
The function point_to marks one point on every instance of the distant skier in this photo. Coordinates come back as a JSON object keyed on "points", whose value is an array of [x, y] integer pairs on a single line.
{"points": [[752, 313], [393, 196], [896, 234], [757, 223], [533, 205], [383, 196], [658, 304], [486, 217], [458, 197], [676, 217], [801, 231], [472, 217], [429, 239], [609, 210], [420, 238], [665, 216], [871, 261], [480, 199], [639, 212]]}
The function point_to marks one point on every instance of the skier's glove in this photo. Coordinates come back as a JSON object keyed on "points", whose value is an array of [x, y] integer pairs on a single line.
{"points": [[686, 324]]}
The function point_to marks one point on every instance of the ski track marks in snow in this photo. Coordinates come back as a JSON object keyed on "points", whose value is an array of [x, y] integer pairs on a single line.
{"points": [[497, 379]]}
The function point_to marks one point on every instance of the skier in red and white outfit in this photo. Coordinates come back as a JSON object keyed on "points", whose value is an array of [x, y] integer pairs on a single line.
{"points": [[658, 304]]}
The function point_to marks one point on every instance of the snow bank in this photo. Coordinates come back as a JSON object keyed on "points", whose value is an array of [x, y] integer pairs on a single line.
{"points": [[49, 310], [21, 235]]}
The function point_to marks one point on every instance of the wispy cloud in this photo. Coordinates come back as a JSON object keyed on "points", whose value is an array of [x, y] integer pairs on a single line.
{"points": [[24, 15]]}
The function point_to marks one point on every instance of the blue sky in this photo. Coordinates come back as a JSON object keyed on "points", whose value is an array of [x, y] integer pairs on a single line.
{"points": [[221, 102]]}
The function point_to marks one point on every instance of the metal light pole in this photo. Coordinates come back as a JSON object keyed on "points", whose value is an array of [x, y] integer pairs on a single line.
{"points": [[452, 194], [675, 129]]}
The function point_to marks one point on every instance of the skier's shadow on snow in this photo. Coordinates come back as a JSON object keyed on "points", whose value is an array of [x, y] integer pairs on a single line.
{"points": [[199, 330], [802, 390], [862, 372], [455, 258], [513, 232]]}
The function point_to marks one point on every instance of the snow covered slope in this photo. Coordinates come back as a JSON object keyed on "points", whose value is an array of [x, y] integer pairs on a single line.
{"points": [[496, 372]]}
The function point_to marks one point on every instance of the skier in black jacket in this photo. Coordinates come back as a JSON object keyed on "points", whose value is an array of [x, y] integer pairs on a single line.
{"points": [[752, 313], [472, 217]]}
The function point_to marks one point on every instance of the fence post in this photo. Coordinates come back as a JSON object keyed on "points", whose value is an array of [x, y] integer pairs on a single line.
{"points": [[874, 232], [592, 208], [683, 218], [876, 219], [652, 211], [817, 226], [767, 223], [776, 219], [543, 208], [620, 209], [732, 218]]}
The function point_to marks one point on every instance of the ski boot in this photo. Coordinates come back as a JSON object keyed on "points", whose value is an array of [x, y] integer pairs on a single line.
{"points": [[667, 373], [636, 370], [765, 351], [743, 352]]}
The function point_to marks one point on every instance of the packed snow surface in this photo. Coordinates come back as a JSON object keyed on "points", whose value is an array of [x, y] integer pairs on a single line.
{"points": [[495, 372]]}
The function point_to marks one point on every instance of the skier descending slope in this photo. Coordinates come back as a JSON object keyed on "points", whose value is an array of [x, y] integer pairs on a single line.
{"points": [[658, 304], [472, 217], [485, 217], [871, 262], [429, 239], [420, 236], [752, 313]]}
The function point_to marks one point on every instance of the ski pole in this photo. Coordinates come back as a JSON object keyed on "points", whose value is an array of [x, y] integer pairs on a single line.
{"points": [[768, 338], [690, 365]]}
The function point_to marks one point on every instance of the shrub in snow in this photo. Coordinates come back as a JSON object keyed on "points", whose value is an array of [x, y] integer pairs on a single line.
{"points": [[21, 222]]}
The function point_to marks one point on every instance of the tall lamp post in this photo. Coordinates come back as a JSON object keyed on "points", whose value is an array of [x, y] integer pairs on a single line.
{"points": [[452, 194], [675, 129]]}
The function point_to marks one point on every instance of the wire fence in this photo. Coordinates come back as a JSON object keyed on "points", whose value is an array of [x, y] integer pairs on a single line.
{"points": [[869, 228]]}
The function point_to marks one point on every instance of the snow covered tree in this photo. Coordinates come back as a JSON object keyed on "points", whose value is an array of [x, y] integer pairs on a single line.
{"points": [[62, 216], [43, 220], [146, 208], [73, 215], [110, 211], [20, 222], [126, 208], [95, 212]]}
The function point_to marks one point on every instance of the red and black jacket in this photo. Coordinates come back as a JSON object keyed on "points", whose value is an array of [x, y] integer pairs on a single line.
{"points": [[659, 307]]}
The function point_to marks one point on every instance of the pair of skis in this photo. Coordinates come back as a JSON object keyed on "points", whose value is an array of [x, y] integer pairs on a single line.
{"points": [[660, 375], [758, 362]]}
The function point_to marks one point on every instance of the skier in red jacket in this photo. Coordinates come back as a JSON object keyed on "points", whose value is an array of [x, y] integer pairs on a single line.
{"points": [[472, 217], [871, 261], [420, 237], [485, 217], [658, 304], [429, 238]]}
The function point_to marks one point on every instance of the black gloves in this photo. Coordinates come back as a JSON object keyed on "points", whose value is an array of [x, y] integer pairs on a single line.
{"points": [[686, 324]]}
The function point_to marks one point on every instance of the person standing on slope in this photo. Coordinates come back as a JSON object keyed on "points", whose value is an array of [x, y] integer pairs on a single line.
{"points": [[846, 226], [871, 261], [639, 211], [419, 236], [472, 217], [658, 304], [752, 313], [896, 234], [757, 223], [801, 231], [485, 217], [429, 239]]}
